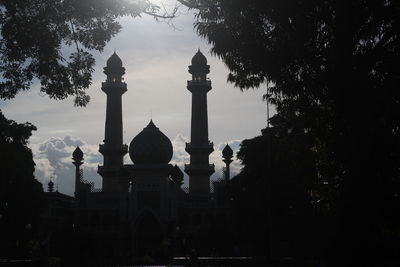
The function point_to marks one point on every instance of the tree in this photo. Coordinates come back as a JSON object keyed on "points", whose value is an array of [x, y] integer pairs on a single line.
{"points": [[270, 195], [333, 65], [20, 193], [50, 42], [35, 34]]}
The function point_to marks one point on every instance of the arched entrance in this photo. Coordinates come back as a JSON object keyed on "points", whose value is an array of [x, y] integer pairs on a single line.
{"points": [[147, 236]]}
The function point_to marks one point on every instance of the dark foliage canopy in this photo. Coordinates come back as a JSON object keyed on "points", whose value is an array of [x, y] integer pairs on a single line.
{"points": [[278, 170], [16, 157], [20, 193], [331, 68], [332, 64], [50, 41]]}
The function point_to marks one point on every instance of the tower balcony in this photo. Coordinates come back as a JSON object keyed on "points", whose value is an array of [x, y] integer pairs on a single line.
{"points": [[199, 82], [199, 85], [206, 148], [114, 87], [104, 149], [199, 170], [107, 171]]}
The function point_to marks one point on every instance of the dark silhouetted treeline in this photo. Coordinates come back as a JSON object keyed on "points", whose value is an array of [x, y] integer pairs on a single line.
{"points": [[332, 72]]}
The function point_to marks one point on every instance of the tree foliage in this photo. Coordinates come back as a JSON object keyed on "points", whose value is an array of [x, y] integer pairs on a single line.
{"points": [[49, 42], [270, 195], [331, 65], [52, 41], [20, 193]]}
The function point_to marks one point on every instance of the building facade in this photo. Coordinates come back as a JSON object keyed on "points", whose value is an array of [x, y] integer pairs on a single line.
{"points": [[142, 210]]}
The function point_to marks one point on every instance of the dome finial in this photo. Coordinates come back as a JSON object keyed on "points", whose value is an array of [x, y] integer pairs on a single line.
{"points": [[151, 125]]}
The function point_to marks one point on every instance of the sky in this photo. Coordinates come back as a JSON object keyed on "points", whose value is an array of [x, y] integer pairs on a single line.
{"points": [[156, 57]]}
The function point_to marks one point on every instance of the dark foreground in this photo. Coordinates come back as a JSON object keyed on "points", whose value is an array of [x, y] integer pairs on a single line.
{"points": [[177, 261]]}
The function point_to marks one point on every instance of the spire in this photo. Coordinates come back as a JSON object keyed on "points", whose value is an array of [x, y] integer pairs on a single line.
{"points": [[227, 154], [151, 125], [77, 156], [114, 61], [199, 64], [50, 186], [114, 69]]}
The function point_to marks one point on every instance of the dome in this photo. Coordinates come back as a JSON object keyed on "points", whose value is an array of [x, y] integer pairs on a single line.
{"points": [[114, 61], [77, 154], [150, 146], [227, 152], [199, 59], [114, 67], [199, 64]]}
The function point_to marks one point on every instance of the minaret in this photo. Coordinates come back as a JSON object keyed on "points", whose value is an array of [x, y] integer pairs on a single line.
{"points": [[227, 154], [199, 148], [50, 187], [113, 149], [77, 157]]}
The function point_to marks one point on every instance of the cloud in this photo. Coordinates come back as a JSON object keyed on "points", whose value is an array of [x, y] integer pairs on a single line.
{"points": [[43, 167], [53, 159], [180, 156]]}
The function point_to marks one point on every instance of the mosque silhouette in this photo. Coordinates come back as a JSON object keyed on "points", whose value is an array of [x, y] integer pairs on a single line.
{"points": [[142, 209]]}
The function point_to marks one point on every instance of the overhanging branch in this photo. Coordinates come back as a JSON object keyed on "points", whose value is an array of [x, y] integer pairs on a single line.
{"points": [[189, 4]]}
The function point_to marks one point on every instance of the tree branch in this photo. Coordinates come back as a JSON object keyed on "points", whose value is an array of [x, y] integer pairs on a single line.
{"points": [[189, 4], [165, 16]]}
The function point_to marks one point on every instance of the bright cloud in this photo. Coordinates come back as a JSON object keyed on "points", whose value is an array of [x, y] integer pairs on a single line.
{"points": [[53, 159]]}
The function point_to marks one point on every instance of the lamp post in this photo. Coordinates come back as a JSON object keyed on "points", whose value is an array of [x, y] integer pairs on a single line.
{"points": [[268, 184]]}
